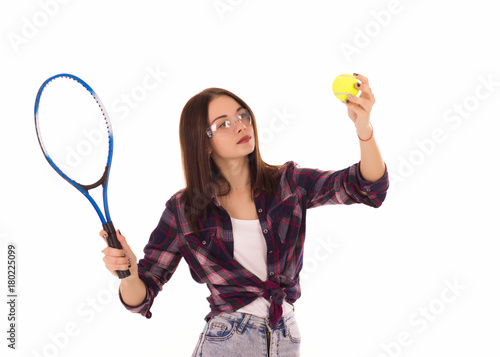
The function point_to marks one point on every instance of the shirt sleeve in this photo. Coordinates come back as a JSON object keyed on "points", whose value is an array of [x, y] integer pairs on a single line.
{"points": [[161, 259], [340, 186]]}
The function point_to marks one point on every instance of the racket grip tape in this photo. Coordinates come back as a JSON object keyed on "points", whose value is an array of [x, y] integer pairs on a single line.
{"points": [[114, 243]]}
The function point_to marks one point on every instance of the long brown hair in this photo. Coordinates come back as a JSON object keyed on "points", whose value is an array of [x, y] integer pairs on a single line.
{"points": [[200, 171]]}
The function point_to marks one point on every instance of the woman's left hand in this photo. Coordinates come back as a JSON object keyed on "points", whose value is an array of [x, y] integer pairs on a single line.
{"points": [[359, 108]]}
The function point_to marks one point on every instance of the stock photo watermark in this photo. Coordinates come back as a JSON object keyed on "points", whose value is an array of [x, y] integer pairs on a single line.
{"points": [[222, 7], [87, 311], [423, 317], [12, 296], [12, 303], [454, 118], [325, 248], [380, 20], [31, 25], [139, 93], [122, 107], [277, 124]]}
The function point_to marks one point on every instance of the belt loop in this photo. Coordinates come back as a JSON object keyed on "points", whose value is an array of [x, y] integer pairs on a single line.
{"points": [[285, 324], [243, 324], [268, 324], [285, 327]]}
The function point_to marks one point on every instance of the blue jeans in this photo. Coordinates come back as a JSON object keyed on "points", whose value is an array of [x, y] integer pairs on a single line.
{"points": [[238, 334]]}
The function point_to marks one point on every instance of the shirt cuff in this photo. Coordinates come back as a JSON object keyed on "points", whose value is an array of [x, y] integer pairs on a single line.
{"points": [[375, 191], [143, 308], [368, 186]]}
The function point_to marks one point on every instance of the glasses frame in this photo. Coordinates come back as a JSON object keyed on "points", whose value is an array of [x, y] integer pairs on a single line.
{"points": [[212, 129]]}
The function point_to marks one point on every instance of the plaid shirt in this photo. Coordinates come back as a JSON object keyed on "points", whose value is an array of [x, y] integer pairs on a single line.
{"points": [[283, 223]]}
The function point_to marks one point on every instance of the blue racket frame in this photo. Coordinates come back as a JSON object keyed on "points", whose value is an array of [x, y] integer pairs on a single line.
{"points": [[103, 181]]}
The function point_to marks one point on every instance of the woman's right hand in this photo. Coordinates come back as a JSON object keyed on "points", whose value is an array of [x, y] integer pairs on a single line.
{"points": [[119, 259]]}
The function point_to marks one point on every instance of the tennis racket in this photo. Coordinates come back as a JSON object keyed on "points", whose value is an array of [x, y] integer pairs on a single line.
{"points": [[77, 140]]}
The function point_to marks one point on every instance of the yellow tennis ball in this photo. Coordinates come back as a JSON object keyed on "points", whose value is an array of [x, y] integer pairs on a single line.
{"points": [[343, 85]]}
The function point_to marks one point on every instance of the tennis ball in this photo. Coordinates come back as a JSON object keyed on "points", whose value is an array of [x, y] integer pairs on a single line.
{"points": [[344, 85]]}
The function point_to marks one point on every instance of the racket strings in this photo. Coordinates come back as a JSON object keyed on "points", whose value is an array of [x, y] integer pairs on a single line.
{"points": [[75, 129]]}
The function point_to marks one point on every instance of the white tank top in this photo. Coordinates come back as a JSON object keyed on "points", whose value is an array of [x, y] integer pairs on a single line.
{"points": [[250, 251]]}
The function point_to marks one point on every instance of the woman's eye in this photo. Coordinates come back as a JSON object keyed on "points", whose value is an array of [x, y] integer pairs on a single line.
{"points": [[244, 115]]}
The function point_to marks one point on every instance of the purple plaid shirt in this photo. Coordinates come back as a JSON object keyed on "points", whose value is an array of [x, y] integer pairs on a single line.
{"points": [[283, 223]]}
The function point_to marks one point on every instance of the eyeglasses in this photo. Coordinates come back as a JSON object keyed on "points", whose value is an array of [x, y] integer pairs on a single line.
{"points": [[225, 126]]}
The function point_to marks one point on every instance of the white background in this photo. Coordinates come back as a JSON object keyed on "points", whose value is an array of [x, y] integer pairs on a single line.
{"points": [[375, 281]]}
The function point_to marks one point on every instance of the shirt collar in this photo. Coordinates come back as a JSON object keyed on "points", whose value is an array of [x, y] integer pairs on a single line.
{"points": [[213, 196]]}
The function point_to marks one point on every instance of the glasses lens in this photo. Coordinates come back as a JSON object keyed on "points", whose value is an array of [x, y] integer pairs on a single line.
{"points": [[226, 126], [244, 116]]}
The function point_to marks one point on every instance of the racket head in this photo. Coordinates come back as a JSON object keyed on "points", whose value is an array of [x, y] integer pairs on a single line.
{"points": [[64, 113], [68, 111]]}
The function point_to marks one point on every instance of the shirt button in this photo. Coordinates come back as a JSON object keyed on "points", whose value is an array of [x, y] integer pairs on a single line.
{"points": [[265, 231], [260, 210], [368, 189], [270, 252], [271, 273], [204, 242]]}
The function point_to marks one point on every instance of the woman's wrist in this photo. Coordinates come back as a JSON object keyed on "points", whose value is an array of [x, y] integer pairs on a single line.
{"points": [[365, 131], [132, 279], [132, 290]]}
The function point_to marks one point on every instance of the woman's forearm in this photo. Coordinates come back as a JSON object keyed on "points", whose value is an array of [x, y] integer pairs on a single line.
{"points": [[132, 290], [372, 165]]}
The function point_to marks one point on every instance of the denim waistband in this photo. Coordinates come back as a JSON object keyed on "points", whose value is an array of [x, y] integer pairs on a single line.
{"points": [[244, 319]]}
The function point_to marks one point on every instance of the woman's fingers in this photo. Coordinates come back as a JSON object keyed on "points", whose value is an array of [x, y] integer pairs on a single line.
{"points": [[366, 91], [124, 244], [114, 252], [102, 233], [362, 78], [359, 108], [125, 250], [118, 259], [116, 263], [363, 103]]}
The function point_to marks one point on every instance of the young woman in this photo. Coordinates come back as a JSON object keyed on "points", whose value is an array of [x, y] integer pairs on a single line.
{"points": [[240, 225]]}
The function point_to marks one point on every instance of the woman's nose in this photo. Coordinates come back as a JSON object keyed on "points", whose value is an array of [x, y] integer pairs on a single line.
{"points": [[236, 124]]}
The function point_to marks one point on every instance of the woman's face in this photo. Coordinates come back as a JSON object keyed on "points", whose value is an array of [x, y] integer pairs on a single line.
{"points": [[225, 145]]}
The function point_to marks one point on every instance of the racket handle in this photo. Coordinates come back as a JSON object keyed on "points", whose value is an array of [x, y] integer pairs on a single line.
{"points": [[114, 243]]}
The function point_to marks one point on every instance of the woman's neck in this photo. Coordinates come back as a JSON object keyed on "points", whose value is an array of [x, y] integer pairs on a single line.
{"points": [[237, 173]]}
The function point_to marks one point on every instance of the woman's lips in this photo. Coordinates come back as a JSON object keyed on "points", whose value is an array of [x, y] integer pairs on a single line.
{"points": [[244, 139]]}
